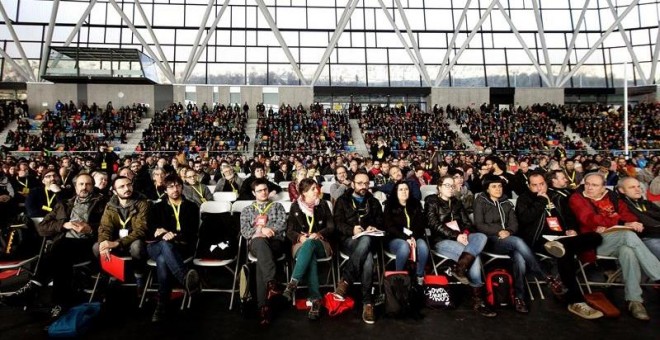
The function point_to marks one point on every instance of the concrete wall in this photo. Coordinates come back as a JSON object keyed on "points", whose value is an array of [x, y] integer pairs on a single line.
{"points": [[529, 96], [223, 94], [42, 96], [472, 96], [252, 95], [296, 94], [179, 93], [204, 95], [120, 95]]}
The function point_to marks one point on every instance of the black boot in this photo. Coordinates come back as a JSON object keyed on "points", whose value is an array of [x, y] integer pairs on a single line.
{"points": [[479, 305], [22, 297], [462, 265], [290, 289]]}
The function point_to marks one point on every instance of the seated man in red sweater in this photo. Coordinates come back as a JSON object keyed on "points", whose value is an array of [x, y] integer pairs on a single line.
{"points": [[598, 209]]}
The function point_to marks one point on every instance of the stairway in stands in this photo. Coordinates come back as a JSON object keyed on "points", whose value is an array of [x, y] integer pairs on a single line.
{"points": [[575, 136], [358, 140], [251, 130], [133, 139], [464, 138], [13, 125]]}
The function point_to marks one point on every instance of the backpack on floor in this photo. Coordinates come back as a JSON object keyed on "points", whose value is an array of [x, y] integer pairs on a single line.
{"points": [[75, 322], [499, 288], [247, 291], [438, 293], [397, 294], [19, 239]]}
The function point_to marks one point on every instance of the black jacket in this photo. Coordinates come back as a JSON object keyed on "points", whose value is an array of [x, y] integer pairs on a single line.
{"points": [[324, 223], [531, 212], [347, 216], [647, 213], [53, 223], [439, 212], [37, 199], [162, 216], [492, 216], [395, 219], [245, 193]]}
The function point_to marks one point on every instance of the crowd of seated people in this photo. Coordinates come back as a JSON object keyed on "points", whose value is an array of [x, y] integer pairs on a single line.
{"points": [[405, 129], [10, 110], [195, 129], [70, 191], [529, 128], [316, 129], [601, 126], [72, 128]]}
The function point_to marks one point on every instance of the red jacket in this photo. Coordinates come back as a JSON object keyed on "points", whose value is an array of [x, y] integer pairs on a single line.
{"points": [[589, 217]]}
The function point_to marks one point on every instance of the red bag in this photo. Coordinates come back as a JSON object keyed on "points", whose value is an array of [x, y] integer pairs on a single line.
{"points": [[336, 306]]}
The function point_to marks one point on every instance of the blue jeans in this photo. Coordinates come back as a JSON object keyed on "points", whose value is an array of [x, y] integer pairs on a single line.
{"points": [[360, 264], [401, 249], [633, 257], [653, 243], [522, 257], [168, 264], [453, 250]]}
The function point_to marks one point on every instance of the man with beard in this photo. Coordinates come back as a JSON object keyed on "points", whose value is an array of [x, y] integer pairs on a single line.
{"points": [[156, 190], [172, 237], [123, 227], [73, 225], [229, 181], [357, 211], [41, 201]]}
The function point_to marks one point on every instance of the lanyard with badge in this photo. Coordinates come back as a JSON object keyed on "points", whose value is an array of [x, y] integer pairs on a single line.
{"points": [[104, 165], [49, 201], [407, 229], [123, 232], [310, 222], [177, 211], [552, 221], [365, 209], [639, 206], [200, 192], [262, 217], [26, 188]]}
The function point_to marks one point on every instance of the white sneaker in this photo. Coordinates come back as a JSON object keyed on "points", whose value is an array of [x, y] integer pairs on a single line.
{"points": [[585, 311], [555, 248]]}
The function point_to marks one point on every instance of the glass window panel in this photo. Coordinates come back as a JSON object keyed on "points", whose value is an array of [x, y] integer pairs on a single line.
{"points": [[432, 55], [33, 33], [495, 57], [471, 57], [432, 40], [399, 56], [404, 75], [507, 40], [350, 55], [639, 37], [276, 54], [223, 37], [164, 36], [291, 17], [496, 76], [233, 74], [377, 75], [357, 19], [10, 74], [468, 76], [194, 16], [257, 54], [376, 56], [348, 75], [267, 39], [555, 40], [166, 15], [230, 54], [238, 16], [415, 18], [590, 76], [238, 38], [311, 55], [555, 20], [357, 39], [324, 18], [34, 11], [291, 38], [256, 74], [643, 53], [648, 15], [524, 76]]}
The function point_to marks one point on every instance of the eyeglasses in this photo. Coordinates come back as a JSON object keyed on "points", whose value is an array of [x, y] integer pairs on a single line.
{"points": [[447, 185], [261, 190]]}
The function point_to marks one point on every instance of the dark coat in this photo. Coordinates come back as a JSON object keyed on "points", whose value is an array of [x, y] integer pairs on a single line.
{"points": [[439, 212]]}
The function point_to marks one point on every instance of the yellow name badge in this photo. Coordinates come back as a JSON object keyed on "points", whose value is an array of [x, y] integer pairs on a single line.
{"points": [[203, 200], [46, 208], [104, 165], [25, 191]]}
